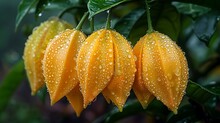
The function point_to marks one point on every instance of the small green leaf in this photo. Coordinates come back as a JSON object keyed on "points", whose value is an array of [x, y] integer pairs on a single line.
{"points": [[10, 83], [23, 9], [199, 94], [97, 6], [125, 24]]}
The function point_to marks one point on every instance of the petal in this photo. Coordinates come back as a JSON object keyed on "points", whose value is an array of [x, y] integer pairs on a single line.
{"points": [[76, 99], [35, 47], [59, 63], [124, 71], [140, 90], [162, 69], [95, 64]]}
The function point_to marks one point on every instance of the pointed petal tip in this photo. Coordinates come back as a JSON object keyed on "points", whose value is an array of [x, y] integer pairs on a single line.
{"points": [[33, 93], [78, 114], [120, 108], [53, 101], [85, 103], [175, 111]]}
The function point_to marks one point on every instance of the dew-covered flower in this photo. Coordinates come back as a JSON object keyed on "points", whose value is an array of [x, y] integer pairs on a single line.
{"points": [[35, 47], [106, 64], [59, 67], [162, 68]]}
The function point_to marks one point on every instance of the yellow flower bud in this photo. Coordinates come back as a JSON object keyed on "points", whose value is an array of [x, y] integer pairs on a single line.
{"points": [[35, 47], [106, 64], [76, 99], [163, 68], [59, 63], [140, 90]]}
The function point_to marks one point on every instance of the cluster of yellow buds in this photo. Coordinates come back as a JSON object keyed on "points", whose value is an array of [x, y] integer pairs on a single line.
{"points": [[81, 67]]}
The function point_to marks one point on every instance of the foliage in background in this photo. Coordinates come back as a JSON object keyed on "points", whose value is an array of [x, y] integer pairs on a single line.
{"points": [[194, 25]]}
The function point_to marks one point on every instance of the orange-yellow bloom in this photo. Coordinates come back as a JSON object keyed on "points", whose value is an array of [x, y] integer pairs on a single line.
{"points": [[35, 47], [106, 64], [140, 90], [59, 66], [163, 68], [76, 99]]}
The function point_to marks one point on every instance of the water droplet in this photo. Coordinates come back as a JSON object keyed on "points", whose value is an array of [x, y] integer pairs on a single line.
{"points": [[158, 79], [177, 72], [129, 56], [169, 76], [40, 14]]}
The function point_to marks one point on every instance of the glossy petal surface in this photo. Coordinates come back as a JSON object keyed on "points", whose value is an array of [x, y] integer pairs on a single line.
{"points": [[139, 88], [122, 80], [95, 64], [59, 63], [76, 99], [164, 69], [35, 47]]}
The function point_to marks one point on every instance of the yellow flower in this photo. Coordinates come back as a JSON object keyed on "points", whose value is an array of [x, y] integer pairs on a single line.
{"points": [[140, 90], [106, 64], [76, 99], [35, 47], [59, 67], [163, 68]]}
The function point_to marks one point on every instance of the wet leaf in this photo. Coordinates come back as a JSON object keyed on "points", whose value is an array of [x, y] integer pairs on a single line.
{"points": [[125, 24], [133, 107], [40, 7], [192, 10], [214, 4], [23, 9], [97, 6], [199, 93], [185, 113], [10, 83], [205, 26], [168, 22]]}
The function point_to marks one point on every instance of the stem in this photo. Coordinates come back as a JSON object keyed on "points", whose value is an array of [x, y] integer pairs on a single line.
{"points": [[79, 26], [150, 27], [92, 24], [108, 22]]}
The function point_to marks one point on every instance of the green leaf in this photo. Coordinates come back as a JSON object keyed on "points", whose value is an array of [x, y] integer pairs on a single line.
{"points": [[10, 83], [58, 5], [168, 22], [41, 5], [97, 6], [214, 4], [190, 9], [205, 26], [55, 5], [125, 24], [133, 107], [165, 19], [205, 103], [200, 94], [23, 9], [185, 113]]}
